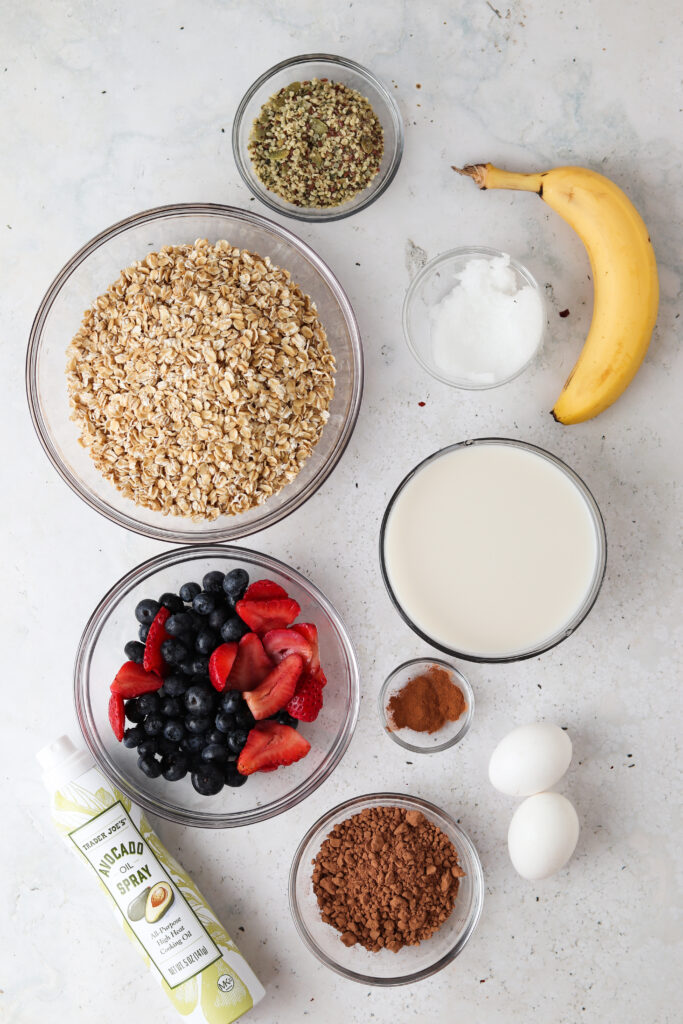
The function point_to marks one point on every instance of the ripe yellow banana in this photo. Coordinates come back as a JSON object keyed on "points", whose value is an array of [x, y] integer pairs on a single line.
{"points": [[626, 287]]}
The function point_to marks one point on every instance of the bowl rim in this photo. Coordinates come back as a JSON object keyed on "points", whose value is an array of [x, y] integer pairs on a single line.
{"points": [[171, 533], [600, 566], [465, 720], [84, 654], [449, 256], [429, 809], [318, 214]]}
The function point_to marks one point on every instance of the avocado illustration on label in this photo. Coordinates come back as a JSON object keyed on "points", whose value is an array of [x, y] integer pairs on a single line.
{"points": [[136, 907], [159, 899]]}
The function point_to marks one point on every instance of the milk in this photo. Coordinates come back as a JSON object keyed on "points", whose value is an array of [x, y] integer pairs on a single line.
{"points": [[491, 549]]}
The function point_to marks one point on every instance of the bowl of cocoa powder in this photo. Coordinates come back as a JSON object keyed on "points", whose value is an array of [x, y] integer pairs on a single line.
{"points": [[426, 705], [386, 889]]}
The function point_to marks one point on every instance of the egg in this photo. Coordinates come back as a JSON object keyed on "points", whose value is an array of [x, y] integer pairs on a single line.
{"points": [[530, 759], [543, 834]]}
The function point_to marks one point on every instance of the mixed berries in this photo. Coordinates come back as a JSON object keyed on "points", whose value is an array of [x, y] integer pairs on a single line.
{"points": [[217, 682]]}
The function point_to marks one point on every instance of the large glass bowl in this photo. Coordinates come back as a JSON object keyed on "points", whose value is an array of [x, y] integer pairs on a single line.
{"points": [[93, 269], [100, 654], [412, 963], [337, 69]]}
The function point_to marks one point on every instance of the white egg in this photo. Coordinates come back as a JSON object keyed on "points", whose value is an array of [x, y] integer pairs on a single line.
{"points": [[530, 759], [543, 834]]}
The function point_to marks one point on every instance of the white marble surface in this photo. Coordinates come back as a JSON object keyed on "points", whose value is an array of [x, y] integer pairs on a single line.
{"points": [[109, 109]]}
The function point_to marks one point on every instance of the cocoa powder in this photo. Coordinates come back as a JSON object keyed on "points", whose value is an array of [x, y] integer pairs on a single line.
{"points": [[426, 703], [386, 878]]}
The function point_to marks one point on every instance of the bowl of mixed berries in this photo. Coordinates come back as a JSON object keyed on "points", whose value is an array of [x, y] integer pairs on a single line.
{"points": [[216, 686]]}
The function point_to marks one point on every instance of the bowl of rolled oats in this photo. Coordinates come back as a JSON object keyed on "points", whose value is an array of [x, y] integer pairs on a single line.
{"points": [[317, 137], [213, 381]]}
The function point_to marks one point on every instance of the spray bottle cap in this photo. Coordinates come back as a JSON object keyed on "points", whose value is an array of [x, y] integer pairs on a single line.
{"points": [[62, 762]]}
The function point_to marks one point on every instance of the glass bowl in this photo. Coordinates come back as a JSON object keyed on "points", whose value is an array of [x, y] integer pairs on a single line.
{"points": [[425, 742], [384, 968], [429, 287], [93, 269], [591, 594], [100, 654], [337, 69]]}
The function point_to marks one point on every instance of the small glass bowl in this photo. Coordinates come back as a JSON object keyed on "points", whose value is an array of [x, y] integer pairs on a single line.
{"points": [[429, 287], [337, 69], [384, 968], [100, 654], [425, 742]]}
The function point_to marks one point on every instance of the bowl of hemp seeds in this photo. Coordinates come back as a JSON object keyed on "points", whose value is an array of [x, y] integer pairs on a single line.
{"points": [[317, 137]]}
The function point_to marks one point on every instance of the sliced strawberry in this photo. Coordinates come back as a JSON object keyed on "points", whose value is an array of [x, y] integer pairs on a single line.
{"points": [[131, 681], [152, 660], [220, 665], [281, 642], [269, 746], [307, 700], [262, 616], [309, 632], [252, 664], [263, 590], [117, 715], [276, 689]]}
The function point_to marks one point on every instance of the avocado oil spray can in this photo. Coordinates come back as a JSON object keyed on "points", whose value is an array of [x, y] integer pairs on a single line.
{"points": [[162, 911]]}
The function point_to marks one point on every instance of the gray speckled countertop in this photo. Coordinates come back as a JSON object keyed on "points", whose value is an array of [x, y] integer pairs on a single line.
{"points": [[107, 110]]}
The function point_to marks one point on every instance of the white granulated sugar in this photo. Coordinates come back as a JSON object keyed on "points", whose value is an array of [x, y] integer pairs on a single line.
{"points": [[486, 328]]}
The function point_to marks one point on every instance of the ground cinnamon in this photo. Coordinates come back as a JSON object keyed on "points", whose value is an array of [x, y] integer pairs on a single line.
{"points": [[426, 703]]}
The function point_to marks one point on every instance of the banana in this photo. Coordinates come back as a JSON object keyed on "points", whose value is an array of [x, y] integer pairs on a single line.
{"points": [[626, 287]]}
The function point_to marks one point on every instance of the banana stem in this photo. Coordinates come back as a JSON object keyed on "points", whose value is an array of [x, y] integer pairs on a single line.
{"points": [[488, 176]]}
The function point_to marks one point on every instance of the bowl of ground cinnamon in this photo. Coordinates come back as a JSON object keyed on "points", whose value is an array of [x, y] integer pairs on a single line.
{"points": [[386, 889], [426, 705]]}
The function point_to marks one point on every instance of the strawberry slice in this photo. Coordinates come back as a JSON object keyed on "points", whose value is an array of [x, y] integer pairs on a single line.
{"points": [[152, 660], [131, 680], [263, 590], [309, 632], [307, 700], [220, 665], [262, 616], [281, 642], [276, 689], [252, 664], [117, 715], [270, 746]]}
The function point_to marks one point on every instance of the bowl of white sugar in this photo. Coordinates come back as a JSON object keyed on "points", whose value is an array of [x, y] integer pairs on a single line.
{"points": [[474, 318]]}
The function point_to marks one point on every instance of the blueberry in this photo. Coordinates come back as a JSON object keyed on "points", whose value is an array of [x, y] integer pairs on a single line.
{"points": [[235, 583], [172, 602], [197, 723], [172, 707], [214, 752], [153, 724], [142, 633], [213, 582], [174, 730], [200, 664], [218, 617], [175, 685], [133, 712], [134, 651], [186, 667], [231, 701], [233, 777], [132, 737], [233, 629], [173, 651], [192, 743], [189, 591], [146, 611], [204, 603], [284, 718], [244, 717], [236, 739], [225, 721], [167, 746], [148, 746], [215, 736], [199, 700], [208, 779], [150, 766], [174, 767], [149, 703], [206, 641], [179, 624]]}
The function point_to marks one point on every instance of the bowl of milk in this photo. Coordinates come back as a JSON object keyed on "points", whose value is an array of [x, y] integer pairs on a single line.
{"points": [[493, 550]]}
